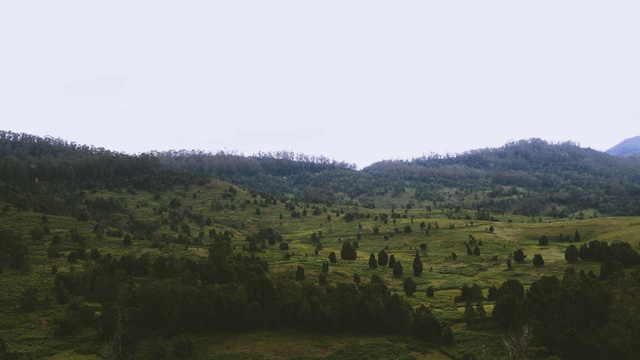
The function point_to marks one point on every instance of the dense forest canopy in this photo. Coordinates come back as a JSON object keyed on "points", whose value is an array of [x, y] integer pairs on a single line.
{"points": [[531, 177]]}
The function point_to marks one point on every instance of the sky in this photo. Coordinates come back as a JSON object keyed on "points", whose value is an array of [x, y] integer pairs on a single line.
{"points": [[355, 81]]}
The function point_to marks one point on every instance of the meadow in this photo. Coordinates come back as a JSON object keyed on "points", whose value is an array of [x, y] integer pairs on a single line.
{"points": [[312, 232]]}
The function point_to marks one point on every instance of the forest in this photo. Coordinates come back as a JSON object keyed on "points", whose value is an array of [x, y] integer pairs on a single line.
{"points": [[528, 251]]}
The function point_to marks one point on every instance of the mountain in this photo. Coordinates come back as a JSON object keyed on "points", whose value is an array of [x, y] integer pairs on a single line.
{"points": [[629, 147], [528, 177]]}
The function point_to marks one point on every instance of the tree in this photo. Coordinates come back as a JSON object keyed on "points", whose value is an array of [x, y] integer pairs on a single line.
{"points": [[325, 267], [348, 251], [397, 269], [476, 251], [543, 241], [576, 236], [409, 286], [322, 280], [127, 240], [13, 251], [454, 256], [332, 258], [519, 256], [417, 265], [29, 299], [300, 273], [571, 254], [537, 260], [430, 291], [423, 247], [517, 342], [491, 229], [383, 258], [447, 337], [392, 261], [356, 279], [584, 253], [372, 261]]}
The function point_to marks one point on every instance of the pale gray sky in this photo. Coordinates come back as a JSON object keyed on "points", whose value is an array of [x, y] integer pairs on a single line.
{"points": [[357, 81]]}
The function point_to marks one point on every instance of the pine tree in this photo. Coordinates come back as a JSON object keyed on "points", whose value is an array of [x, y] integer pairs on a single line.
{"points": [[571, 254], [383, 258], [397, 269], [417, 265], [300, 273], [409, 286], [372, 261]]}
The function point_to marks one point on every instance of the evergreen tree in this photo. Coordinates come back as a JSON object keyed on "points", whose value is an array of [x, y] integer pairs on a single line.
{"points": [[348, 251], [325, 267], [430, 291], [322, 280], [543, 241], [356, 278], [300, 273], [476, 251], [409, 286], [537, 260], [383, 258], [332, 258], [576, 236], [519, 256], [392, 261], [571, 254], [397, 269], [372, 261], [417, 265]]}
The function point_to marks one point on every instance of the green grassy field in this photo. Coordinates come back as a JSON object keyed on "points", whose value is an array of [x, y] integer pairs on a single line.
{"points": [[32, 332]]}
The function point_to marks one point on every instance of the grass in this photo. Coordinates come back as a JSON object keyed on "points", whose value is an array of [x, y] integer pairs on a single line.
{"points": [[25, 332]]}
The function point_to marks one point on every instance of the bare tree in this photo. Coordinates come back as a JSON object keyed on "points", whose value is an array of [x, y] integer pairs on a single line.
{"points": [[517, 341]]}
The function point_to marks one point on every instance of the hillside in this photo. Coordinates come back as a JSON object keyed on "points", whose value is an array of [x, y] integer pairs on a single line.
{"points": [[113, 256], [529, 177], [627, 148]]}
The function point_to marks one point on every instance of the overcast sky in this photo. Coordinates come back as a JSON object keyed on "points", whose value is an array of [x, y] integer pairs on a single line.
{"points": [[357, 81]]}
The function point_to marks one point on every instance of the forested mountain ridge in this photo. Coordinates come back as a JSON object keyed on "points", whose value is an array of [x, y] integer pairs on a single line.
{"points": [[529, 177], [627, 148]]}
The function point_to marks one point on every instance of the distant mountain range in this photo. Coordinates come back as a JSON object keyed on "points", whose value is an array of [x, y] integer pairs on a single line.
{"points": [[629, 147]]}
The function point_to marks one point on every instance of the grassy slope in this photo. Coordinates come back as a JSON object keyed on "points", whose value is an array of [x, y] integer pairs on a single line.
{"points": [[33, 332]]}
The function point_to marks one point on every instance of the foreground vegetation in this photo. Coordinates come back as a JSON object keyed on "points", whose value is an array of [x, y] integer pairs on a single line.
{"points": [[143, 262]]}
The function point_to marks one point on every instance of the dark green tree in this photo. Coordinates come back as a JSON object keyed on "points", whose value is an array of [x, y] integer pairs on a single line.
{"points": [[348, 251], [392, 261], [373, 263], [409, 286], [332, 258], [300, 273], [383, 258], [543, 241], [417, 265], [430, 291], [519, 256], [571, 254], [537, 260], [397, 269], [29, 299], [325, 267]]}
